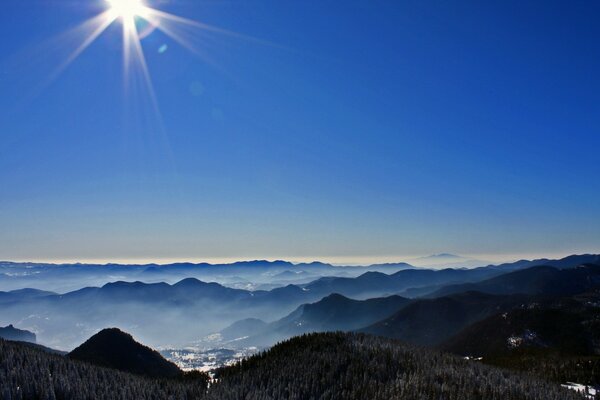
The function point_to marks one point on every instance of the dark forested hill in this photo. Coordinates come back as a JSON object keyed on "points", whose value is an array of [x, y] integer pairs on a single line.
{"points": [[353, 366], [113, 348], [558, 339], [31, 373], [431, 321], [316, 366]]}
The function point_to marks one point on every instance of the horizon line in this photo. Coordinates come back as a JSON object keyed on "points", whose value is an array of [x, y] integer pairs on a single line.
{"points": [[485, 259]]}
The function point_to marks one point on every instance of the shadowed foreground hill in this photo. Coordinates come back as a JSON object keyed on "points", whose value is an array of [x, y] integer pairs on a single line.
{"points": [[557, 339], [431, 321], [316, 366], [28, 373], [113, 348], [354, 366]]}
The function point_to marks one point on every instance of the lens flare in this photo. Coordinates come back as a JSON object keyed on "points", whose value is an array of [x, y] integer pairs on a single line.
{"points": [[139, 19]]}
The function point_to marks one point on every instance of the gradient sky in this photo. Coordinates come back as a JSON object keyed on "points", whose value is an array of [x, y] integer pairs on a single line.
{"points": [[363, 131]]}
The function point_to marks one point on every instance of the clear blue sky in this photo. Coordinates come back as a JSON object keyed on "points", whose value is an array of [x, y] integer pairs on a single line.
{"points": [[368, 130]]}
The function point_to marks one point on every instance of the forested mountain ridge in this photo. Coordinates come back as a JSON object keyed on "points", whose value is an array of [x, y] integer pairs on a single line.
{"points": [[316, 366], [354, 366], [431, 321], [558, 339], [30, 373]]}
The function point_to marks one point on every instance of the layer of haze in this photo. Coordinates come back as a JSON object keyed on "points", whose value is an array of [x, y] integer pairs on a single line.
{"points": [[371, 130]]}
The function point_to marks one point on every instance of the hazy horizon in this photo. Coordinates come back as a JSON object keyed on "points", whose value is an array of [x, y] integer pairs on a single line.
{"points": [[415, 260]]}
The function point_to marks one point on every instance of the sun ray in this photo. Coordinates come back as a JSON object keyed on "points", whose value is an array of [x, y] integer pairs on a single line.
{"points": [[129, 12], [171, 32], [162, 17], [96, 25]]}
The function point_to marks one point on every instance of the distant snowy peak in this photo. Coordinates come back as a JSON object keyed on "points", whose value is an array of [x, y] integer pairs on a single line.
{"points": [[447, 260], [443, 256]]}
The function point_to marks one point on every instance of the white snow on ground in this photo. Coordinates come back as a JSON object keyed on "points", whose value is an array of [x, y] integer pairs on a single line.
{"points": [[206, 360], [589, 392]]}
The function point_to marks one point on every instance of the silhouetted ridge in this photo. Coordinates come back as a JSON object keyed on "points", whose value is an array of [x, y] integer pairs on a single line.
{"points": [[332, 313], [540, 280], [113, 348], [431, 321], [11, 333]]}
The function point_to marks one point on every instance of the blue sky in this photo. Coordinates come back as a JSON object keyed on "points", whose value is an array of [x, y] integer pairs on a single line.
{"points": [[354, 131]]}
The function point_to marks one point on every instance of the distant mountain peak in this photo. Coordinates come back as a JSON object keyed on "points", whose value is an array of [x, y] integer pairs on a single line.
{"points": [[11, 333], [189, 282], [443, 255]]}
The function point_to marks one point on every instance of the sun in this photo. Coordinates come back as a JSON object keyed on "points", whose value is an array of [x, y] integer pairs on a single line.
{"points": [[138, 19], [127, 9]]}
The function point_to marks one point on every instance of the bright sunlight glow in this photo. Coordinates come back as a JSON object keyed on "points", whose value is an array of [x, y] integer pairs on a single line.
{"points": [[127, 9], [138, 20]]}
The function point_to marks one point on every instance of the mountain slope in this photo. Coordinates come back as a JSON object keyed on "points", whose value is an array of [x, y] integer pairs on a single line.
{"points": [[571, 261], [29, 372], [376, 284], [557, 339], [337, 312], [351, 366], [243, 328], [548, 329], [317, 366], [431, 321], [115, 349], [541, 280], [332, 313]]}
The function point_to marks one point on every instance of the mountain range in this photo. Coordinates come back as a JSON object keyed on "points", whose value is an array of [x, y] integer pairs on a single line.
{"points": [[251, 275], [424, 321], [539, 318], [65, 319]]}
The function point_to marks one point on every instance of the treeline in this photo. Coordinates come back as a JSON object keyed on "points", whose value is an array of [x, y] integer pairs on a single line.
{"points": [[314, 366], [353, 366], [554, 367], [28, 373]]}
